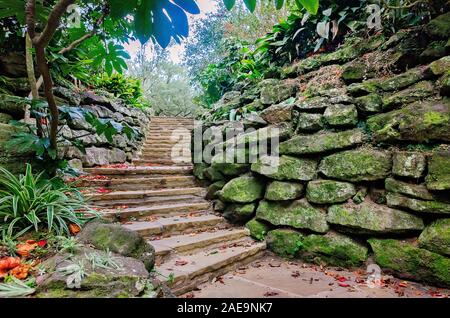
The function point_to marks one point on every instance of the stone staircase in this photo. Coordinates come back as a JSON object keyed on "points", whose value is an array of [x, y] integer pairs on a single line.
{"points": [[158, 197]]}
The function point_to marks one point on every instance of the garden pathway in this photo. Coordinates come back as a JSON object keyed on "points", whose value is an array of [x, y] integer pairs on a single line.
{"points": [[158, 197]]}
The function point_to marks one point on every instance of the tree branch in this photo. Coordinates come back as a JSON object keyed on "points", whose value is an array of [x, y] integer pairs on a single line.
{"points": [[30, 11], [53, 22]]}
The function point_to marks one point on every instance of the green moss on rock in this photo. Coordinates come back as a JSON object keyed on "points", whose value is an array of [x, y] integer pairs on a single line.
{"points": [[419, 122], [439, 27], [281, 191], [333, 249], [409, 164], [436, 237], [341, 115], [400, 201], [274, 92], [286, 168], [438, 177], [408, 261], [298, 214], [329, 191], [308, 122], [244, 189], [212, 190], [284, 242], [414, 93], [404, 80], [371, 103], [322, 142], [258, 230], [239, 213], [413, 190], [357, 165], [371, 218]]}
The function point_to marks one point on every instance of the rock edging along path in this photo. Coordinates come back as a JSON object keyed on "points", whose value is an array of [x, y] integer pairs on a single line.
{"points": [[158, 197]]}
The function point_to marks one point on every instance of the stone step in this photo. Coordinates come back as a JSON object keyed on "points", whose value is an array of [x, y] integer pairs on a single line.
{"points": [[189, 242], [153, 141], [168, 156], [205, 265], [157, 145], [166, 209], [141, 171], [150, 201], [148, 183], [143, 162], [174, 224], [142, 194]]}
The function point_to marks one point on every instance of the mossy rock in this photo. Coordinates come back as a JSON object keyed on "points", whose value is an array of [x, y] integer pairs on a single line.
{"points": [[436, 237], [409, 189], [371, 218], [329, 191], [356, 72], [400, 201], [357, 165], [404, 80], [434, 51], [409, 164], [410, 262], [322, 142], [286, 168], [228, 166], [438, 177], [213, 174], [244, 189], [414, 93], [340, 115], [315, 103], [5, 118], [298, 214], [13, 105], [444, 84], [281, 191], [439, 27], [258, 230], [364, 88], [213, 188], [284, 242], [274, 92], [199, 170], [419, 122], [371, 103], [239, 213], [333, 249], [306, 122], [117, 239]]}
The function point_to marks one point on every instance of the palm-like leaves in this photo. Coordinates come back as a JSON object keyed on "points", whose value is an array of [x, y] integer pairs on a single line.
{"points": [[29, 202]]}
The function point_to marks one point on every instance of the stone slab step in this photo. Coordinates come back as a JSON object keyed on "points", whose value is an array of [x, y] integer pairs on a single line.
{"points": [[166, 209], [148, 183], [174, 224], [143, 162], [133, 170], [141, 194], [150, 201], [205, 265], [188, 242]]}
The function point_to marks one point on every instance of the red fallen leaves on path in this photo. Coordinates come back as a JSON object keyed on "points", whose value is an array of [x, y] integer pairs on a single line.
{"points": [[181, 263], [103, 190], [88, 178], [117, 166], [270, 293], [344, 285]]}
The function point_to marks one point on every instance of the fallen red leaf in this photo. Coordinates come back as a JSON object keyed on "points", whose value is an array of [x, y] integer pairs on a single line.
{"points": [[8, 263], [403, 284], [74, 229], [42, 243], [341, 278], [344, 285], [24, 249], [103, 190], [181, 263]]}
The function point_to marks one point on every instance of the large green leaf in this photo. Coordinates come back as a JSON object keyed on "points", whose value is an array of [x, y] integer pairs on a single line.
{"points": [[311, 5], [250, 4], [229, 4]]}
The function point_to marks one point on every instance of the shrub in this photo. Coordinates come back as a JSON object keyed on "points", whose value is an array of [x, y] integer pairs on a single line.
{"points": [[30, 202]]}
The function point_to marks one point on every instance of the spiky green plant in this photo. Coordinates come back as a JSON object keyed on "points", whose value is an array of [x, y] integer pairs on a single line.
{"points": [[16, 288], [30, 202]]}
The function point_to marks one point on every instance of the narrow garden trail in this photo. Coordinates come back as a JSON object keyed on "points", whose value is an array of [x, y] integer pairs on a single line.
{"points": [[159, 197]]}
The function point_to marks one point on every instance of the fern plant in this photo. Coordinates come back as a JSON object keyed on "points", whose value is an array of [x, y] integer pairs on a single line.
{"points": [[30, 202]]}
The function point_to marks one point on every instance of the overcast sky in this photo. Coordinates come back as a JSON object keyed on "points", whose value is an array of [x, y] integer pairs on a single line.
{"points": [[176, 51]]}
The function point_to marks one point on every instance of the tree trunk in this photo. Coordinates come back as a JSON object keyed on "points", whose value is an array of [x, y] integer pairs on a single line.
{"points": [[48, 91]]}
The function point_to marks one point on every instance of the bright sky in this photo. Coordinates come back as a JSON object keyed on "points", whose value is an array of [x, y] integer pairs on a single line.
{"points": [[176, 51]]}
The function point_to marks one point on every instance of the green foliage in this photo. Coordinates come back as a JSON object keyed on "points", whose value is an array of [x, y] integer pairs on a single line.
{"points": [[14, 288], [124, 87], [64, 244], [31, 203]]}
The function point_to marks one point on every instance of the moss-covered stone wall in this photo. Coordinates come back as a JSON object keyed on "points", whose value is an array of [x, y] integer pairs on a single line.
{"points": [[364, 167]]}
